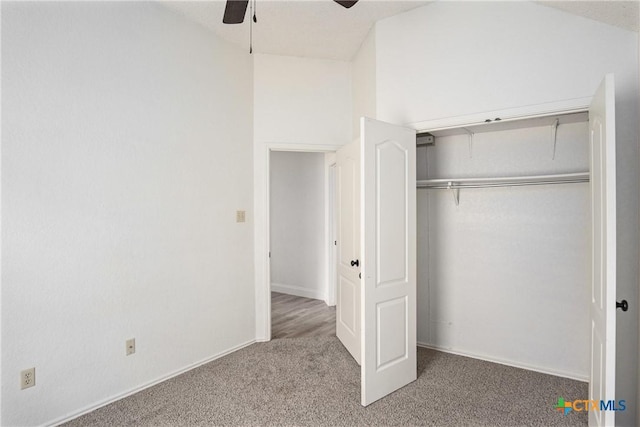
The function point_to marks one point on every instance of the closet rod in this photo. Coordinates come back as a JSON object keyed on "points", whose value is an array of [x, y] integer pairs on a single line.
{"points": [[452, 183]]}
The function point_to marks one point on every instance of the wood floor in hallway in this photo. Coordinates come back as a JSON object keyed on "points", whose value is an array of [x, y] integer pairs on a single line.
{"points": [[295, 317]]}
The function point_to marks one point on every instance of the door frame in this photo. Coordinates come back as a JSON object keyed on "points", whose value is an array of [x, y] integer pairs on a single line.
{"points": [[330, 225], [262, 186]]}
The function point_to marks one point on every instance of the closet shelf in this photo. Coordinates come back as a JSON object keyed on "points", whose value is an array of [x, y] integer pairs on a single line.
{"points": [[514, 181], [509, 124]]}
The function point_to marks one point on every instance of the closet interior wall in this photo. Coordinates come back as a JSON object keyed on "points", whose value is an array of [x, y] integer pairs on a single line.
{"points": [[505, 274]]}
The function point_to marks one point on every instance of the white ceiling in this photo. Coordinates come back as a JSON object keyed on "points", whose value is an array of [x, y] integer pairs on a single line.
{"points": [[308, 28], [324, 29], [623, 14]]}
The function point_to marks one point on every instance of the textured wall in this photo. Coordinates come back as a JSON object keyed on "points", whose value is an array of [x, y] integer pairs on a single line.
{"points": [[126, 150], [363, 87], [301, 100]]}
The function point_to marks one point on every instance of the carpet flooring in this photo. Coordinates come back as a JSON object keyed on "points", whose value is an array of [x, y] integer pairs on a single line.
{"points": [[315, 382]]}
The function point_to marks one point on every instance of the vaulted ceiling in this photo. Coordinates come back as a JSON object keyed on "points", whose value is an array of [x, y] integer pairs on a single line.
{"points": [[324, 29]]}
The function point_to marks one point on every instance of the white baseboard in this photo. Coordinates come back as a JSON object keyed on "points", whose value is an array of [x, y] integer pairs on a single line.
{"points": [[570, 375], [297, 291], [135, 390]]}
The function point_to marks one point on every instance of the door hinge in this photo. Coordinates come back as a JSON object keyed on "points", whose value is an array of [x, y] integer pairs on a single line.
{"points": [[335, 242]]}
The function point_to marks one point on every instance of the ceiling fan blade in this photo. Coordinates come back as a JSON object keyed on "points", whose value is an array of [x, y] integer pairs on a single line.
{"points": [[346, 3], [234, 11]]}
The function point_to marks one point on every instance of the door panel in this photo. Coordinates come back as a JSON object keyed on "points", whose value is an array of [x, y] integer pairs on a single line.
{"points": [[391, 246], [346, 313], [603, 288], [348, 246], [392, 340], [388, 170]]}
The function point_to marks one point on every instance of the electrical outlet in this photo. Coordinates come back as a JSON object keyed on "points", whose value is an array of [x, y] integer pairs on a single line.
{"points": [[240, 216], [131, 346], [27, 378]]}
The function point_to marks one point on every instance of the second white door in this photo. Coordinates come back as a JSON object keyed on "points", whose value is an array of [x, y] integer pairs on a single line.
{"points": [[348, 245]]}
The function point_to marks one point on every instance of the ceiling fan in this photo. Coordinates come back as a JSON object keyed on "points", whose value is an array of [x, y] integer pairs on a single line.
{"points": [[235, 10]]}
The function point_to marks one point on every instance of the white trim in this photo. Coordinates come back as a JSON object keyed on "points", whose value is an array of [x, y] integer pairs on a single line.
{"points": [[571, 375], [330, 224], [261, 261], [568, 106], [298, 291], [261, 249], [304, 148], [135, 390]]}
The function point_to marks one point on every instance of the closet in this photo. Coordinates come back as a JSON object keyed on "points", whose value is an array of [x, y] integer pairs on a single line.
{"points": [[504, 252], [516, 240]]}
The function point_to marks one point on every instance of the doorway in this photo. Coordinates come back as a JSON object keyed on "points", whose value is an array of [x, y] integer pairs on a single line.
{"points": [[300, 223]]}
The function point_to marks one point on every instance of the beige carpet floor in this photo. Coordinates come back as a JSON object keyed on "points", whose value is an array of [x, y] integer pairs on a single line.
{"points": [[314, 381]]}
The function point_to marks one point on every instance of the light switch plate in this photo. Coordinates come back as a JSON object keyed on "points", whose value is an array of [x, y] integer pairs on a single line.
{"points": [[240, 216], [131, 346]]}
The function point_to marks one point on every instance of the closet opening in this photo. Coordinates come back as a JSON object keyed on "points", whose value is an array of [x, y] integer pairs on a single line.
{"points": [[520, 264], [504, 244]]}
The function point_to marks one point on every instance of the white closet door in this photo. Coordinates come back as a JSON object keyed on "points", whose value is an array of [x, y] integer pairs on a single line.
{"points": [[603, 290], [348, 246], [388, 258]]}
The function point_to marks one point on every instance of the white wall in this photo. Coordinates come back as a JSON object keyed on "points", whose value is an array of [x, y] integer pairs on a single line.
{"points": [[363, 80], [297, 217], [299, 104], [301, 100], [456, 58], [126, 150]]}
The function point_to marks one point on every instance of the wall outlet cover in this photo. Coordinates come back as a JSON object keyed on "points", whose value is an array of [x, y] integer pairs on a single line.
{"points": [[27, 378]]}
